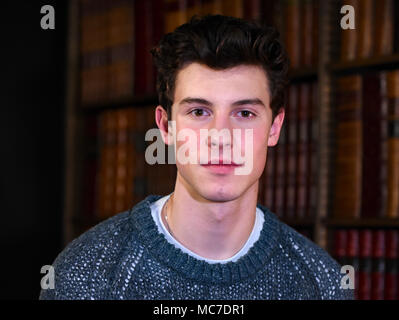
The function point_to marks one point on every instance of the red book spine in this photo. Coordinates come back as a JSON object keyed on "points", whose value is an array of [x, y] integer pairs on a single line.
{"points": [[391, 272], [363, 288], [353, 253], [340, 244], [378, 270]]}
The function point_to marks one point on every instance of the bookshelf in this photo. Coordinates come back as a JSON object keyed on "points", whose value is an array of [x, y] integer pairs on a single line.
{"points": [[321, 72]]}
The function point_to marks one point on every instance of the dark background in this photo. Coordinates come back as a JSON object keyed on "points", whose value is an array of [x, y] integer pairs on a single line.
{"points": [[32, 144]]}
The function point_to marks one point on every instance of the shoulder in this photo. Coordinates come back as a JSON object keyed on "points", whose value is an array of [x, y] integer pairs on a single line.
{"points": [[85, 267], [317, 263]]}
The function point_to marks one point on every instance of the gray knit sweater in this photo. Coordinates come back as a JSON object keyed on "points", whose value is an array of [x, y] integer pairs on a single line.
{"points": [[125, 257]]}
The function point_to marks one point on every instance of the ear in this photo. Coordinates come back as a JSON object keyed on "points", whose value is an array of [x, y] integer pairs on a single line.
{"points": [[161, 118], [275, 129]]}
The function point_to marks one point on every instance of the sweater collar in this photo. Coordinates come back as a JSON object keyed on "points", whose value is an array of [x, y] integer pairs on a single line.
{"points": [[247, 266]]}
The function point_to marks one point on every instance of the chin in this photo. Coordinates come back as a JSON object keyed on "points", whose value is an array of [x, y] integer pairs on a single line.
{"points": [[219, 193]]}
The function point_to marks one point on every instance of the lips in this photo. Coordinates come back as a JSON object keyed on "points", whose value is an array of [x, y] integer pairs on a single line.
{"points": [[222, 167], [223, 163]]}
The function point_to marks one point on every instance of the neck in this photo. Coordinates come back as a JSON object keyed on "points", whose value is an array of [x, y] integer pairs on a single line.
{"points": [[213, 230]]}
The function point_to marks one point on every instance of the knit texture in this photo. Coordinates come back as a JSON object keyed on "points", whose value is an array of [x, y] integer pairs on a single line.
{"points": [[125, 257]]}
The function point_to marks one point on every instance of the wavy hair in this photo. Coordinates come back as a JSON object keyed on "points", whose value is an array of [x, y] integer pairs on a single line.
{"points": [[221, 42]]}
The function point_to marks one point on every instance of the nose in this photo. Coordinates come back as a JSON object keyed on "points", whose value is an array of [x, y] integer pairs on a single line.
{"points": [[220, 131]]}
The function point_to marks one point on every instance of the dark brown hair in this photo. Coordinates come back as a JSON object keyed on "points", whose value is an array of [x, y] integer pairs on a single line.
{"points": [[221, 42]]}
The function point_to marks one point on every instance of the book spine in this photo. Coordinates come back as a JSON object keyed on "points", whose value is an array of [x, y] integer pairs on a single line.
{"points": [[349, 37], [121, 52], [384, 145], [315, 32], [139, 147], [312, 166], [372, 146], [261, 188], [353, 253], [384, 22], [120, 161], [143, 67], [391, 291], [308, 24], [303, 151], [107, 165], [269, 188], [395, 24], [193, 8], [211, 7], [365, 31], [340, 245], [90, 182], [378, 267], [292, 25], [393, 143], [233, 8], [175, 14], [253, 10], [291, 150], [349, 148], [280, 173], [363, 288], [93, 53]]}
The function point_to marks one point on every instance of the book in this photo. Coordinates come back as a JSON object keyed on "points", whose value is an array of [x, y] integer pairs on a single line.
{"points": [[175, 14], [121, 160], [292, 23], [291, 117], [352, 253], [378, 265], [143, 66], [280, 172], [365, 28], [303, 143], [373, 138], [348, 160], [391, 290], [393, 143], [349, 37], [93, 51], [269, 178], [121, 35], [384, 27], [309, 32], [363, 288], [106, 181], [233, 8], [312, 167], [253, 10]]}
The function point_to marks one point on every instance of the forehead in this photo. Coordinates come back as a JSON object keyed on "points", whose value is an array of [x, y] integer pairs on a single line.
{"points": [[242, 81]]}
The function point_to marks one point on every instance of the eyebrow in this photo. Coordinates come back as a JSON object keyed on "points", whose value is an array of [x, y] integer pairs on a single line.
{"points": [[254, 101]]}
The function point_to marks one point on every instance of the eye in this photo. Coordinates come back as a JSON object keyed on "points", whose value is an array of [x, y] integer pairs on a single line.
{"points": [[247, 114], [198, 112]]}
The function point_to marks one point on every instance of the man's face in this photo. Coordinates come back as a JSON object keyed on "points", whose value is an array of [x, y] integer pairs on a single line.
{"points": [[231, 99]]}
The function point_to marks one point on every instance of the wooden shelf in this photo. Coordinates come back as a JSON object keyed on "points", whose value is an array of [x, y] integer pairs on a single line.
{"points": [[363, 223], [391, 61]]}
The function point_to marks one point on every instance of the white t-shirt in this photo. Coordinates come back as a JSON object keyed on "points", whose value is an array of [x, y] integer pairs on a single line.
{"points": [[156, 209]]}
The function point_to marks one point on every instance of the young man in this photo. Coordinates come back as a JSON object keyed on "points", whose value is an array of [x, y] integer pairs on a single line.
{"points": [[208, 239]]}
